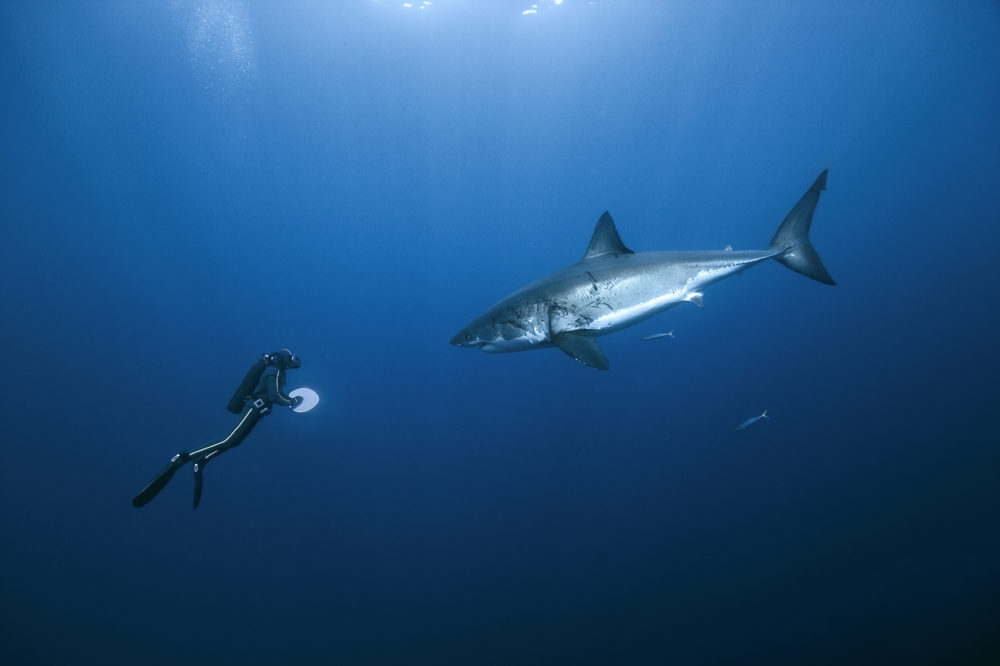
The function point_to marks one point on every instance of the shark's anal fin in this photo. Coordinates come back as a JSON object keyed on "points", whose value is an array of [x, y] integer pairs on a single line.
{"points": [[696, 297], [582, 347], [605, 239]]}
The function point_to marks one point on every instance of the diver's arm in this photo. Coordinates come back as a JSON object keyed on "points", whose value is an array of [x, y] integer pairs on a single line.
{"points": [[274, 394]]}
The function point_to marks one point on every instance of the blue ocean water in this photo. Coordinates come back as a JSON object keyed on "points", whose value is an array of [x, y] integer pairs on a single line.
{"points": [[188, 184]]}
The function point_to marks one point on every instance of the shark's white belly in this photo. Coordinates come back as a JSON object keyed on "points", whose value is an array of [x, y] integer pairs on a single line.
{"points": [[632, 312], [610, 305]]}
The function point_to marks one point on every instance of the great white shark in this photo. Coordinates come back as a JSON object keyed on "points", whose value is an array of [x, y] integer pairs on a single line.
{"points": [[613, 288]]}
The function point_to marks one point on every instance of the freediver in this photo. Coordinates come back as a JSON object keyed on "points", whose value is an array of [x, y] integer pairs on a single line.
{"points": [[262, 387]]}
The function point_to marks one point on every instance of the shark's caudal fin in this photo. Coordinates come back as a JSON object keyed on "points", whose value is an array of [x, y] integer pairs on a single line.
{"points": [[792, 237]]}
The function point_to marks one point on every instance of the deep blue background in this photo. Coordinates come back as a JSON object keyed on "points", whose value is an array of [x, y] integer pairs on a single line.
{"points": [[185, 185]]}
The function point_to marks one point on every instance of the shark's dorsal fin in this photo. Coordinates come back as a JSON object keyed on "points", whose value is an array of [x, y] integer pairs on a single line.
{"points": [[582, 347], [605, 239]]}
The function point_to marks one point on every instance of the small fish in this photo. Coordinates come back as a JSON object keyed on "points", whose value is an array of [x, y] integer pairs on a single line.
{"points": [[657, 336], [749, 422]]}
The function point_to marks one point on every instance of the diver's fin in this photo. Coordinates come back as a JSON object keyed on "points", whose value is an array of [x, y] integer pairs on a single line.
{"points": [[605, 239], [160, 481], [792, 237], [582, 347], [199, 468], [697, 298]]}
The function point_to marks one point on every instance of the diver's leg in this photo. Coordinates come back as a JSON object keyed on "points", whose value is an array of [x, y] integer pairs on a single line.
{"points": [[199, 470], [212, 451], [199, 467], [248, 420], [161, 479]]}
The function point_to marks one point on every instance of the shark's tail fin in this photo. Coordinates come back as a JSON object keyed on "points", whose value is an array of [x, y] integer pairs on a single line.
{"points": [[792, 237], [764, 415]]}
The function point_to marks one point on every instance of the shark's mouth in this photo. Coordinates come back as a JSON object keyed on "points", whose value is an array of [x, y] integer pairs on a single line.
{"points": [[468, 343]]}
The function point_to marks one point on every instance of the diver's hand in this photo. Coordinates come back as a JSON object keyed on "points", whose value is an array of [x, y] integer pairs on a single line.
{"points": [[296, 401]]}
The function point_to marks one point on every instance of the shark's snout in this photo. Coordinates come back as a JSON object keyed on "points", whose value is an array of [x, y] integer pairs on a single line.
{"points": [[464, 339]]}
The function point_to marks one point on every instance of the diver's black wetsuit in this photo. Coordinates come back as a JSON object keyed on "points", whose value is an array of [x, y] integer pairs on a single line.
{"points": [[269, 391]]}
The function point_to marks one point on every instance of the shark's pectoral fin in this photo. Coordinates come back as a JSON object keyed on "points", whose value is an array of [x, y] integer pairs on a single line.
{"points": [[696, 297], [582, 347]]}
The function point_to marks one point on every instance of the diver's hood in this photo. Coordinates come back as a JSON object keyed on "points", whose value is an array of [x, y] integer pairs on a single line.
{"points": [[285, 359]]}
